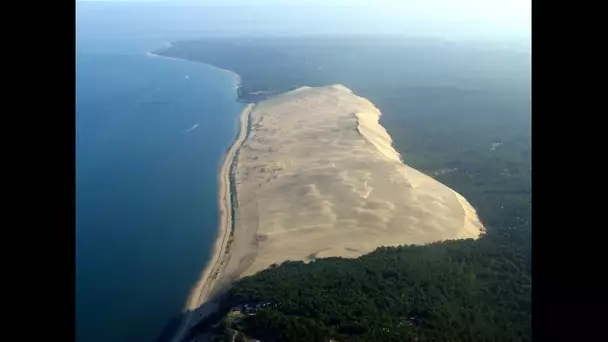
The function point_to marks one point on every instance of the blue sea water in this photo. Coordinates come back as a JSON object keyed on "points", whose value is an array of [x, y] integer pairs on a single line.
{"points": [[146, 185]]}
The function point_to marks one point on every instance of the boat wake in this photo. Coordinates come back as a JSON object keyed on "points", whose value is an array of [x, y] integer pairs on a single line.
{"points": [[190, 129]]}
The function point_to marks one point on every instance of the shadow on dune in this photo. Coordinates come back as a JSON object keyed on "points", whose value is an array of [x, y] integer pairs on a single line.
{"points": [[208, 314]]}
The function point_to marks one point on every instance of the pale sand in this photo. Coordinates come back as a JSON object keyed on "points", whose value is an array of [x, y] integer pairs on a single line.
{"points": [[318, 177], [213, 271], [153, 55]]}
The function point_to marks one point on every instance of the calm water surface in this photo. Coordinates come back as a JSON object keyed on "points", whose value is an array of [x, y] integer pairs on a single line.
{"points": [[146, 183]]}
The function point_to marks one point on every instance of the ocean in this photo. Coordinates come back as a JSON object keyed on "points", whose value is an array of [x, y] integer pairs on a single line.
{"points": [[150, 137]]}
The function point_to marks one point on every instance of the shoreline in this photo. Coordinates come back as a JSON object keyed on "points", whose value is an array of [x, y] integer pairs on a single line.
{"points": [[213, 271], [241, 96], [237, 76]]}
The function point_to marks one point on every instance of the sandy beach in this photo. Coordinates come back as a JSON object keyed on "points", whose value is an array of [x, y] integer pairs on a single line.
{"points": [[209, 278], [152, 54], [212, 275]]}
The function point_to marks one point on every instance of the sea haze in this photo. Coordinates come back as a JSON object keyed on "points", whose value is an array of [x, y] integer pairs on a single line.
{"points": [[150, 136]]}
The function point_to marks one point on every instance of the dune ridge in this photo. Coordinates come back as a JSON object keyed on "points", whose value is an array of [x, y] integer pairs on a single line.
{"points": [[318, 176], [369, 127]]}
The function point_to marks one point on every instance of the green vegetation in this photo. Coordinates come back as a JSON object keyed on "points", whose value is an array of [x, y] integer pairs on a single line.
{"points": [[450, 291], [458, 112]]}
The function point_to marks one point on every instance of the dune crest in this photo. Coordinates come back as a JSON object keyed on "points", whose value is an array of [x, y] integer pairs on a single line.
{"points": [[372, 131]]}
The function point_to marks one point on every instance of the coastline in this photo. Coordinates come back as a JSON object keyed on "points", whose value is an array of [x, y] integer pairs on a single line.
{"points": [[237, 76], [214, 269], [241, 94]]}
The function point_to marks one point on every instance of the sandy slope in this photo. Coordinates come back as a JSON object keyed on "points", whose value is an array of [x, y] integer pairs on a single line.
{"points": [[318, 177]]}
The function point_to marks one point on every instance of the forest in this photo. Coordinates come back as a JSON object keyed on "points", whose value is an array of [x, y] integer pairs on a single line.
{"points": [[448, 291], [458, 112]]}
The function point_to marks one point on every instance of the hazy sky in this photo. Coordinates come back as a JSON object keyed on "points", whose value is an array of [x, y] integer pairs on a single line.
{"points": [[446, 18]]}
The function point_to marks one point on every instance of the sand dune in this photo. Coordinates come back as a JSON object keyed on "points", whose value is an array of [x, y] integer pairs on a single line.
{"points": [[318, 177]]}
